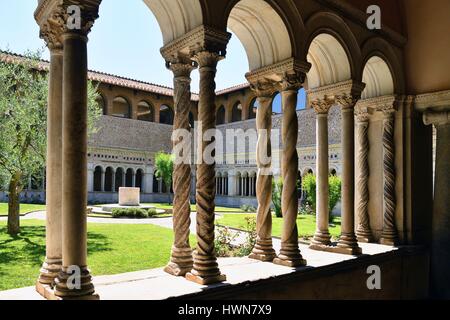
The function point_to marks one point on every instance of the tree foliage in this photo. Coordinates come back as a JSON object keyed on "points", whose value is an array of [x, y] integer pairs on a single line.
{"points": [[23, 123], [309, 187], [164, 168], [277, 188]]}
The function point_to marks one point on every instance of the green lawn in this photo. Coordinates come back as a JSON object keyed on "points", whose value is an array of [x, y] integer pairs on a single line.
{"points": [[166, 206], [24, 208], [306, 224], [112, 249]]}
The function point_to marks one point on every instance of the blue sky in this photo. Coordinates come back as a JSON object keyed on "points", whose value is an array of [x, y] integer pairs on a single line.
{"points": [[125, 41]]}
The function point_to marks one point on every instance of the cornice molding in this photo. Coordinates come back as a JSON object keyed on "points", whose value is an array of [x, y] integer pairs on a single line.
{"points": [[434, 101], [338, 91]]}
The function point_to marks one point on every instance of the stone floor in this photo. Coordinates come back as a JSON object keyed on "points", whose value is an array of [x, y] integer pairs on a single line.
{"points": [[155, 284]]}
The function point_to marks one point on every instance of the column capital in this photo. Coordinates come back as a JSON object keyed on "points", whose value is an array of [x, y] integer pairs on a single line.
{"points": [[437, 118], [181, 69], [322, 105], [207, 59], [264, 88], [58, 17], [292, 80], [347, 101], [362, 115]]}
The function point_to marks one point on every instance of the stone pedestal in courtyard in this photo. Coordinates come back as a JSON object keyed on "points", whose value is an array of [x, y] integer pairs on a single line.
{"points": [[129, 196]]}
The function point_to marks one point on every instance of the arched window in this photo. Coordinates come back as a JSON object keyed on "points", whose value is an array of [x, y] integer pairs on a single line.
{"points": [[220, 116], [121, 108], [145, 112], [101, 102], [139, 175], [333, 172], [98, 179], [166, 115], [155, 184], [129, 178], [252, 108], [119, 179], [109, 179], [236, 113]]}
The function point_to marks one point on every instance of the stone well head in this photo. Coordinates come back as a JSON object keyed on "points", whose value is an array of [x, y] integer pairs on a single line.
{"points": [[129, 196]]}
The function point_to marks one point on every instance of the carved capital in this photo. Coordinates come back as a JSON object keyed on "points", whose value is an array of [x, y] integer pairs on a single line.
{"points": [[292, 80], [65, 16], [181, 69], [264, 88], [346, 101], [362, 115], [207, 59], [437, 118], [322, 106]]}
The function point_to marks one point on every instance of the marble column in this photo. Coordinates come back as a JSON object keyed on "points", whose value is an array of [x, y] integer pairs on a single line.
{"points": [[148, 181], [440, 242], [133, 179], [206, 270], [322, 236], [289, 253], [389, 234], [74, 170], [124, 179], [181, 255], [348, 243], [263, 249], [363, 232], [53, 236]]}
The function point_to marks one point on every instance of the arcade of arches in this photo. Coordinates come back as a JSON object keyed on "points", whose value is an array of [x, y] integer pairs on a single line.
{"points": [[322, 46]]}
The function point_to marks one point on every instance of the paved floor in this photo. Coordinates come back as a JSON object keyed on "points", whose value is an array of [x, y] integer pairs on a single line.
{"points": [[155, 284]]}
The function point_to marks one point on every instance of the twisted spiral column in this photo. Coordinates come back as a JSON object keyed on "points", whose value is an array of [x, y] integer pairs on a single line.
{"points": [[289, 254], [389, 234], [348, 241], [363, 231], [322, 236], [181, 256], [205, 269], [263, 249]]}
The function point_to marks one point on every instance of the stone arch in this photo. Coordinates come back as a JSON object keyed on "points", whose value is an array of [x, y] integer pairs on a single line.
{"points": [[166, 114], [102, 103], [119, 181], [146, 112], [378, 52], [307, 170], [332, 50], [139, 179], [176, 17], [98, 170], [109, 176], [261, 30], [121, 107], [333, 171], [236, 112], [220, 115], [252, 108]]}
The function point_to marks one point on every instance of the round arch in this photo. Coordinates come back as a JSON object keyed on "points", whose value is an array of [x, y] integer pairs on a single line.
{"points": [[377, 48], [176, 17], [252, 108], [121, 107], [166, 114], [236, 112], [261, 30], [146, 111], [220, 115], [101, 102], [332, 50]]}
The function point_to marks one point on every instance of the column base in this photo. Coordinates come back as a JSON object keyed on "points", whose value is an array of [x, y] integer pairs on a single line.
{"points": [[364, 235], [85, 291], [322, 238], [263, 251], [205, 270], [191, 276], [49, 271], [290, 256], [389, 242], [180, 262]]}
